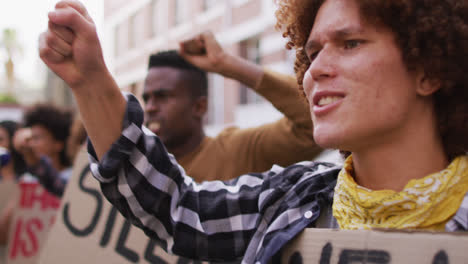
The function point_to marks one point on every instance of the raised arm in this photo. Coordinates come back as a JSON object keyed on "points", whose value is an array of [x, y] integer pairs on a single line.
{"points": [[136, 173], [266, 145], [70, 48], [282, 90], [207, 54], [39, 166]]}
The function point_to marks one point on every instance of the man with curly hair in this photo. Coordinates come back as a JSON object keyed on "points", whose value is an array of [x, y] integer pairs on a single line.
{"points": [[385, 81]]}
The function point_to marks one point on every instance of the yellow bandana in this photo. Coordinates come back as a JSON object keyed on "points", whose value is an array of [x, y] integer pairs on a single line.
{"points": [[427, 203]]}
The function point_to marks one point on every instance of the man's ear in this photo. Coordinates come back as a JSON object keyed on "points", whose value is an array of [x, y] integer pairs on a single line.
{"points": [[427, 86], [200, 106]]}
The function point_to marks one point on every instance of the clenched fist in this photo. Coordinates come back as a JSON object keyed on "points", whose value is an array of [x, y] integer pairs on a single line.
{"points": [[70, 47]]}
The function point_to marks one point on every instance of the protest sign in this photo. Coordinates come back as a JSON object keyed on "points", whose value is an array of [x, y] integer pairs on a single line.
{"points": [[90, 230], [32, 219], [326, 246], [8, 191]]}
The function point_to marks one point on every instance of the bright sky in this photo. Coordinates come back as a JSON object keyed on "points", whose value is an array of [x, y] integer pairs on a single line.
{"points": [[29, 18]]}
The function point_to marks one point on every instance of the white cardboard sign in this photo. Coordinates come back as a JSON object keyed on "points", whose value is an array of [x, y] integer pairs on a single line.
{"points": [[32, 219], [90, 230], [326, 246]]}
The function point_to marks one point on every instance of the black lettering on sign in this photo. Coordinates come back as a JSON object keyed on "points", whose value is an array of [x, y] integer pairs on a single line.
{"points": [[364, 256], [327, 251], [441, 258], [296, 258], [149, 253], [120, 248], [95, 193], [109, 227]]}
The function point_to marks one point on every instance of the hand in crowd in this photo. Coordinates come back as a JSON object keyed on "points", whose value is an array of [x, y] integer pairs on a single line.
{"points": [[70, 47], [205, 52], [22, 144]]}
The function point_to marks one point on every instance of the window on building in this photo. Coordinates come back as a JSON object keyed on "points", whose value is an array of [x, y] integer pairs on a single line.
{"points": [[117, 40], [132, 32], [120, 39], [181, 11], [207, 4], [155, 5], [215, 114], [250, 50]]}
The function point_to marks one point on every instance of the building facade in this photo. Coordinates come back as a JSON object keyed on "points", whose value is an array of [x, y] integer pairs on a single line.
{"points": [[135, 29]]}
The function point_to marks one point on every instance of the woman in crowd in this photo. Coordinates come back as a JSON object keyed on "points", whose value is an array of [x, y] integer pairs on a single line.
{"points": [[11, 171], [15, 166]]}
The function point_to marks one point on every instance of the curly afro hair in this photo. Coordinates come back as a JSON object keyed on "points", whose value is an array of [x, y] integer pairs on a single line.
{"points": [[431, 34], [56, 120]]}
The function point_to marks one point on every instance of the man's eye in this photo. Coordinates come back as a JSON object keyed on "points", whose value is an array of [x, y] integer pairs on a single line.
{"points": [[312, 56], [351, 44], [162, 97]]}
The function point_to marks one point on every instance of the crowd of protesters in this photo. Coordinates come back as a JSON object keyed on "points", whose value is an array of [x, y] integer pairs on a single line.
{"points": [[389, 92], [44, 144], [41, 148], [386, 84]]}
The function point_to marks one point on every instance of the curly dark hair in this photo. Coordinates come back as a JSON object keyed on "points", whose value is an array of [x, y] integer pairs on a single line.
{"points": [[195, 76], [56, 120], [431, 34]]}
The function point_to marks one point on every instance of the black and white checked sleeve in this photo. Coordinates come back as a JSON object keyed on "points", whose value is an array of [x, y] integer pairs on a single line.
{"points": [[460, 221], [208, 221]]}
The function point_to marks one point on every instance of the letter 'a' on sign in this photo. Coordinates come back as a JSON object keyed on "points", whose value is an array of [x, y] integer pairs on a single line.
{"points": [[326, 246]]}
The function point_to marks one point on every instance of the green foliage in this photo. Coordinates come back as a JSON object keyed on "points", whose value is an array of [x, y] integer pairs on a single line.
{"points": [[8, 98], [9, 39]]}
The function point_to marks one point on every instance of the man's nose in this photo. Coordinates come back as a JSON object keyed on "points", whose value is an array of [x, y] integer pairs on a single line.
{"points": [[151, 105], [323, 65]]}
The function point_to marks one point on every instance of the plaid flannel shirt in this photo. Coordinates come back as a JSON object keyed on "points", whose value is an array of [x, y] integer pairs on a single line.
{"points": [[249, 218]]}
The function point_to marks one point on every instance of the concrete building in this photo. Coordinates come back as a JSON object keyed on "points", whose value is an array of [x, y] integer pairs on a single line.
{"points": [[135, 29], [56, 91]]}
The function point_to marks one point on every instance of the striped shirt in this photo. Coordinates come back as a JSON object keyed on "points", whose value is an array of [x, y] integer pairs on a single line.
{"points": [[249, 218]]}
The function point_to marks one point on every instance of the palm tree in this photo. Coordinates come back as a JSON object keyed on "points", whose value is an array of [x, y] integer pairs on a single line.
{"points": [[10, 45]]}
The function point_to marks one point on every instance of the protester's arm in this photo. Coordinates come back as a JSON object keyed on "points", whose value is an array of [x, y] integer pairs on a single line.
{"points": [[281, 90], [48, 176], [136, 173], [40, 167], [267, 144], [22, 144], [288, 140], [215, 59], [70, 47]]}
